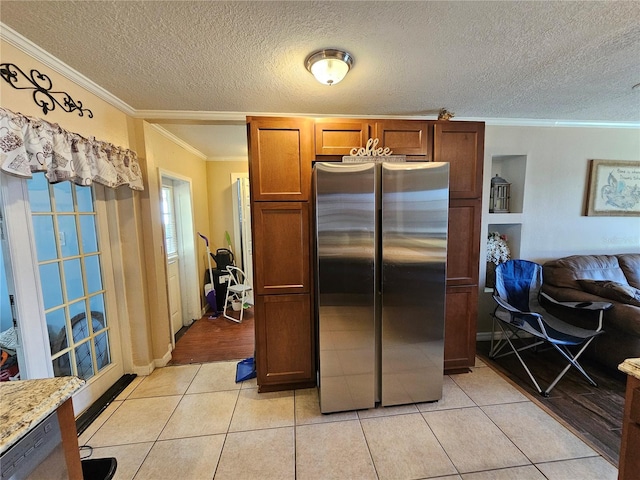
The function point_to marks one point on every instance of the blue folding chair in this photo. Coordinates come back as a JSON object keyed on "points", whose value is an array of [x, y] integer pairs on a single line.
{"points": [[521, 319]]}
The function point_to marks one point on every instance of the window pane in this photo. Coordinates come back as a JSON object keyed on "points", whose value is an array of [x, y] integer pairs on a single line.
{"points": [[84, 198], [88, 231], [39, 193], [92, 271], [169, 221], [101, 344], [62, 366], [63, 197], [96, 303], [83, 361], [67, 235], [79, 324], [57, 326], [73, 279], [51, 287], [45, 238]]}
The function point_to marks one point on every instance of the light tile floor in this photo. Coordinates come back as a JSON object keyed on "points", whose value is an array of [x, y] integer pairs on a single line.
{"points": [[194, 422]]}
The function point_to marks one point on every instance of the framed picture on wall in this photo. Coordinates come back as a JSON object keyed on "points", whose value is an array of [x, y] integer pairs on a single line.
{"points": [[614, 188]]}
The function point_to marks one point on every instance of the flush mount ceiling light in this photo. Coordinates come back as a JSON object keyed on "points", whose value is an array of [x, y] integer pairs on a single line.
{"points": [[329, 66]]}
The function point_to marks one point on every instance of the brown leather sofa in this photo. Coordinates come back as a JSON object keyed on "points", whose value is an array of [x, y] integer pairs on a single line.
{"points": [[599, 278]]}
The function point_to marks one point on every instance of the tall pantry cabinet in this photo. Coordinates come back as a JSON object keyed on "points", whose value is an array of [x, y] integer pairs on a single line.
{"points": [[280, 158], [281, 154]]}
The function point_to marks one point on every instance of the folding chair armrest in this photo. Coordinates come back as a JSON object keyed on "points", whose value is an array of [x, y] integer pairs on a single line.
{"points": [[578, 305], [510, 308]]}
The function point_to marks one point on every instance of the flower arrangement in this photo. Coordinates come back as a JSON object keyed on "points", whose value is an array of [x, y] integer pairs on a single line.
{"points": [[497, 249]]}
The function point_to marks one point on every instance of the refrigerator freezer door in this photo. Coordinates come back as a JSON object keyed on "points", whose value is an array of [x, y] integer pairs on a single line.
{"points": [[415, 201], [345, 283]]}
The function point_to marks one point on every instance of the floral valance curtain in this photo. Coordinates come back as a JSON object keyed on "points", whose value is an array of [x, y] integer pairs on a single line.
{"points": [[29, 144]]}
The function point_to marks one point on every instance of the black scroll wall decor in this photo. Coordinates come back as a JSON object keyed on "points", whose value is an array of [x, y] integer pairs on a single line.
{"points": [[42, 86]]}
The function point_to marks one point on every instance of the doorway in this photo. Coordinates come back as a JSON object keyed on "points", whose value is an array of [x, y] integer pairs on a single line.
{"points": [[216, 338], [180, 251]]}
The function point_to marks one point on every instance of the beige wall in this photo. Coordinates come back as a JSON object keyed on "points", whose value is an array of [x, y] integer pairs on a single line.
{"points": [[220, 199], [171, 158], [108, 123]]}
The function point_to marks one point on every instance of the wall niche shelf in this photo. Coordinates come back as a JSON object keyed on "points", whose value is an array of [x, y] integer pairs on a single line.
{"points": [[504, 218], [512, 168]]}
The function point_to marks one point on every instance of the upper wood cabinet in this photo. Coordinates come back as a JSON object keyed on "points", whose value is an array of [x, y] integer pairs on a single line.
{"points": [[280, 156], [281, 247], [338, 137], [404, 137], [462, 145]]}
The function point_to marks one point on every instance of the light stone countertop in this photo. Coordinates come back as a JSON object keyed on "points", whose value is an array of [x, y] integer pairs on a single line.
{"points": [[25, 403], [631, 366]]}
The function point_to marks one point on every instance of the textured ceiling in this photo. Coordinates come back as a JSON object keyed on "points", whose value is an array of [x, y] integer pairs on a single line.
{"points": [[573, 61]]}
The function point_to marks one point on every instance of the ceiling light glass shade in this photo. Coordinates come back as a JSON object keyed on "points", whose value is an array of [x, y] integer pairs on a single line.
{"points": [[329, 66]]}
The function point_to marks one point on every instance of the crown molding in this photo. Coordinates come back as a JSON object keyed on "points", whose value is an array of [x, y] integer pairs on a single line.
{"points": [[170, 136], [531, 122], [30, 48], [216, 158], [195, 116]]}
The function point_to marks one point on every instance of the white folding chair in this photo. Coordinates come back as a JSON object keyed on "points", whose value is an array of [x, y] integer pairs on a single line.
{"points": [[238, 289]]}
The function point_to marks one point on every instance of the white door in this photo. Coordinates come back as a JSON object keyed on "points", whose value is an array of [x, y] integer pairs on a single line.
{"points": [[180, 249], [61, 269], [175, 305], [242, 226], [169, 225]]}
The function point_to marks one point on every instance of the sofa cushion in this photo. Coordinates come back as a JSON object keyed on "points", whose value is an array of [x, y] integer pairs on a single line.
{"points": [[630, 265], [618, 292], [565, 272]]}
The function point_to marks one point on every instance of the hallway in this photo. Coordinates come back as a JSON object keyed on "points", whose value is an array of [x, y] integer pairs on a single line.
{"points": [[216, 339]]}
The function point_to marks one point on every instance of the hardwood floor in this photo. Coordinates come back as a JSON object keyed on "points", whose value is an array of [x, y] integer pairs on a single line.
{"points": [[594, 413], [216, 339]]}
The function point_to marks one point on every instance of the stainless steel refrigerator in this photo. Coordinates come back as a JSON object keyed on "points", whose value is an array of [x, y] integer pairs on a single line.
{"points": [[381, 233]]}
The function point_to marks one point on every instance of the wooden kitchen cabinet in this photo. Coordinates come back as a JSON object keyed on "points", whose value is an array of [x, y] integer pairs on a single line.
{"points": [[284, 342], [281, 247], [336, 137], [339, 136], [462, 145], [280, 156], [629, 464], [460, 328], [463, 242], [404, 137], [281, 153]]}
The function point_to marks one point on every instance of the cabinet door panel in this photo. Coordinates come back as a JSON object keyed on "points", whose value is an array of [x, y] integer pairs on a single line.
{"points": [[280, 156], [284, 342], [281, 247], [460, 329], [403, 137], [463, 245], [338, 138], [462, 145]]}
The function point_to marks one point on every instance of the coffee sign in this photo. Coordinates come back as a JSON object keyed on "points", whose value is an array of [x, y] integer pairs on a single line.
{"points": [[370, 150]]}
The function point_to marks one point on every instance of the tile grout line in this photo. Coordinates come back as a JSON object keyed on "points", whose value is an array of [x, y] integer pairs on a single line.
{"points": [[536, 401]]}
